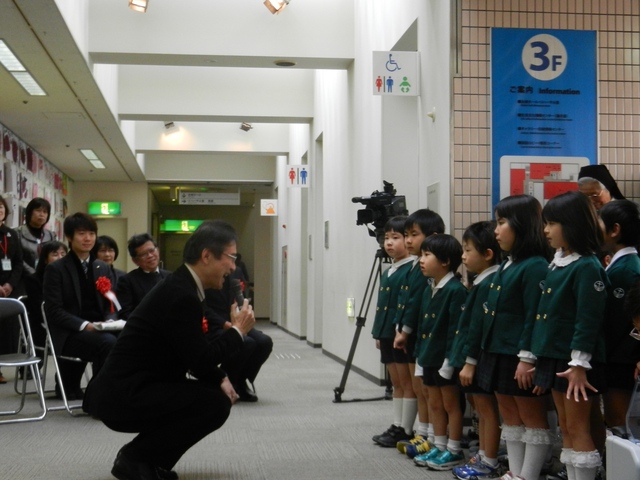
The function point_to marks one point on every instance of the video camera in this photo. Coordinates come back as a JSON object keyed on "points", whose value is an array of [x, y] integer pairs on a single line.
{"points": [[380, 207]]}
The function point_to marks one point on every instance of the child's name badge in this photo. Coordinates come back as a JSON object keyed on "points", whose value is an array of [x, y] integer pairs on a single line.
{"points": [[6, 264]]}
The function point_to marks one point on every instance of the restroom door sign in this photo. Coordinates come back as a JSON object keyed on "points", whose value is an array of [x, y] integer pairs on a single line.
{"points": [[298, 176]]}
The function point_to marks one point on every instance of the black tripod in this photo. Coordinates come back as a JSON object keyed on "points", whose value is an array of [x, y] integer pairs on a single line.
{"points": [[374, 275]]}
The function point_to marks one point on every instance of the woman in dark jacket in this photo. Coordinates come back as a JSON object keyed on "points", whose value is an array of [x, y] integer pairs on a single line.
{"points": [[10, 274]]}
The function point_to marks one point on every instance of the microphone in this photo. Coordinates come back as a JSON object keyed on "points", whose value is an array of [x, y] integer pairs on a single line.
{"points": [[236, 290]]}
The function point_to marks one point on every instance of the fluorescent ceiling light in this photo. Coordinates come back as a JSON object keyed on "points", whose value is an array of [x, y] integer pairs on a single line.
{"points": [[89, 154], [19, 72], [92, 157], [97, 164]]}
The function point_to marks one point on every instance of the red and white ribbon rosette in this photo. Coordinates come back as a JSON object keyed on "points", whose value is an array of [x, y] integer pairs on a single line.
{"points": [[103, 284]]}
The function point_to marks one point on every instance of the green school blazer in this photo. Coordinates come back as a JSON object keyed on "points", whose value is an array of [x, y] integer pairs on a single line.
{"points": [[512, 304], [571, 311]]}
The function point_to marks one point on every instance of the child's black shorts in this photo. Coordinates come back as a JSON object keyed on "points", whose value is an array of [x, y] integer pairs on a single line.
{"points": [[546, 369], [388, 354], [431, 378]]}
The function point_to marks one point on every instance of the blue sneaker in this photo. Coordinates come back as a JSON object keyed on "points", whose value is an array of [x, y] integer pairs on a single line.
{"points": [[414, 449], [476, 471], [446, 461], [421, 460]]}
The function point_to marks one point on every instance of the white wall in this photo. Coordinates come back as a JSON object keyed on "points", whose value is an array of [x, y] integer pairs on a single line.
{"points": [[349, 120]]}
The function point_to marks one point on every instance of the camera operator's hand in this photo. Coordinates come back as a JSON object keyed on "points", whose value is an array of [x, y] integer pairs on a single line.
{"points": [[243, 319]]}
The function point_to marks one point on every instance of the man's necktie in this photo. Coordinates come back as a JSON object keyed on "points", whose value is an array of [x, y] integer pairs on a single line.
{"points": [[85, 267]]}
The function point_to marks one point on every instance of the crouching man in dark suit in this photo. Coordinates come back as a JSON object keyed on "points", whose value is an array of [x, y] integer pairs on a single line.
{"points": [[143, 387]]}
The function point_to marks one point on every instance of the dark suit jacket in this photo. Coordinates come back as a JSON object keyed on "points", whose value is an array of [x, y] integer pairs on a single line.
{"points": [[161, 342], [134, 286], [62, 295]]}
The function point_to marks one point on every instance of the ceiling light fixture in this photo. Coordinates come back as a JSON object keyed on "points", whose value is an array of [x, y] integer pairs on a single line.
{"points": [[92, 157], [19, 72], [244, 126], [139, 5], [170, 127], [276, 6]]}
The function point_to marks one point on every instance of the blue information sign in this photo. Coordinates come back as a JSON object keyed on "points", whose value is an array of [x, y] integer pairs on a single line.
{"points": [[544, 110]]}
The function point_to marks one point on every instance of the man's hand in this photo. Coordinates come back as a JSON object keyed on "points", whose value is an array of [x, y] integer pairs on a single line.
{"points": [[243, 320], [89, 327], [228, 390]]}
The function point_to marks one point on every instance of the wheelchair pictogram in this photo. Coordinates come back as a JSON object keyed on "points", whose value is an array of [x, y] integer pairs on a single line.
{"points": [[391, 64]]}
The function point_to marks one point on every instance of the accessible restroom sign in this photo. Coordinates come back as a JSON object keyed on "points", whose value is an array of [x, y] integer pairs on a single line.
{"points": [[396, 73]]}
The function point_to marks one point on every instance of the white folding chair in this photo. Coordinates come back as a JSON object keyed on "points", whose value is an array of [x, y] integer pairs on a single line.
{"points": [[12, 310], [49, 347]]}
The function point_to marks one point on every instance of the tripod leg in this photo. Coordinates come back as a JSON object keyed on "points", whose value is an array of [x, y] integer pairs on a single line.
{"points": [[361, 319]]}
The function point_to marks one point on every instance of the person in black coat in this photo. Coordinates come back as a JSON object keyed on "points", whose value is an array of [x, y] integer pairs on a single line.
{"points": [[245, 365], [135, 285], [144, 388], [75, 299], [10, 274]]}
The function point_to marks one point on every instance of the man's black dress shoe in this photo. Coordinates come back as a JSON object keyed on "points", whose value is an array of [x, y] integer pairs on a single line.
{"points": [[126, 469], [72, 394], [245, 393]]}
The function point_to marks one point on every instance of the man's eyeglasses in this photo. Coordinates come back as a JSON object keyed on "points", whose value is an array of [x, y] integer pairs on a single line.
{"points": [[232, 257], [595, 195], [635, 334], [147, 253]]}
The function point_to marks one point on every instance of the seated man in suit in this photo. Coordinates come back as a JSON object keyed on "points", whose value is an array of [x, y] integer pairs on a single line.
{"points": [[133, 286], [74, 299], [246, 363], [143, 387]]}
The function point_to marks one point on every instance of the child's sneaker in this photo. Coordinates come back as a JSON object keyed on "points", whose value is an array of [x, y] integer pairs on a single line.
{"points": [[413, 450], [391, 439], [511, 476], [476, 470], [417, 440], [392, 428], [422, 459], [446, 461]]}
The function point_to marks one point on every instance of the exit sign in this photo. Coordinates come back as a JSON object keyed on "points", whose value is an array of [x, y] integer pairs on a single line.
{"points": [[104, 208]]}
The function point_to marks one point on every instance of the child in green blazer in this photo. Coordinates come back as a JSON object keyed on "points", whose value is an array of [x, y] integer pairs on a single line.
{"points": [[442, 304], [383, 331], [567, 336]]}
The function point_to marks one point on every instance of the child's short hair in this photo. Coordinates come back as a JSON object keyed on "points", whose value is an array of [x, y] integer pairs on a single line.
{"points": [[523, 212], [395, 224], [626, 214], [446, 248], [483, 236], [428, 221], [580, 227]]}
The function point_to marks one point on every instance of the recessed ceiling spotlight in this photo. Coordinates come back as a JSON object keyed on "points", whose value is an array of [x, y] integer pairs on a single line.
{"points": [[284, 63], [139, 5], [276, 6], [244, 126], [170, 127]]}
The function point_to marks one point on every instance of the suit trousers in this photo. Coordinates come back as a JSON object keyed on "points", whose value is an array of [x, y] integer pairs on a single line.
{"points": [[170, 419], [89, 346], [246, 364]]}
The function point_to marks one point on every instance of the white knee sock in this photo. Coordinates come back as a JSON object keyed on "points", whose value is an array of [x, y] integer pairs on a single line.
{"points": [[409, 412], [512, 435], [397, 411], [536, 442], [566, 457], [586, 464]]}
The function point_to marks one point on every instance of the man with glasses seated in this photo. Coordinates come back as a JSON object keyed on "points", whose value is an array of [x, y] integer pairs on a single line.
{"points": [[135, 285]]}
